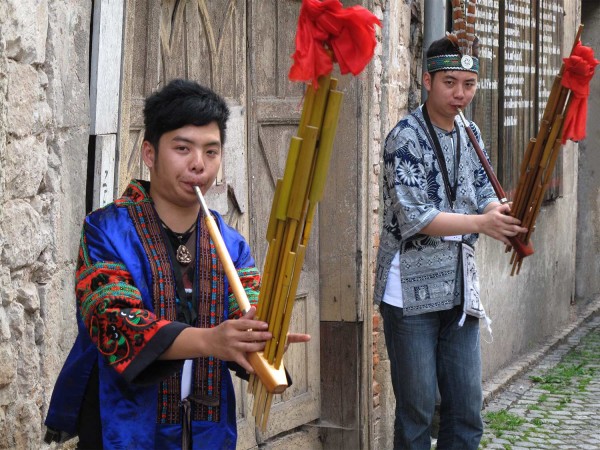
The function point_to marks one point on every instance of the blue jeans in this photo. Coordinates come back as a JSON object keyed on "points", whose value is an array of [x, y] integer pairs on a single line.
{"points": [[430, 351]]}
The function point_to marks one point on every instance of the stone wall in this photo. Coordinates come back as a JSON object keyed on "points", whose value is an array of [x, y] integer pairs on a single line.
{"points": [[43, 159]]}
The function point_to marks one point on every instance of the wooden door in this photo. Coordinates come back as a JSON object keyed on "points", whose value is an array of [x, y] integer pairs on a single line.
{"points": [[200, 40], [274, 112]]}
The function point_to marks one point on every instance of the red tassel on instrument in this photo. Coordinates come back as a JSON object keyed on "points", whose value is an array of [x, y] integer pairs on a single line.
{"points": [[348, 32], [579, 70]]}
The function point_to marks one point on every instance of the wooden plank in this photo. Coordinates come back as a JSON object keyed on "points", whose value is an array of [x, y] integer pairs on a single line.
{"points": [[104, 170], [340, 385], [342, 208], [340, 213], [105, 77]]}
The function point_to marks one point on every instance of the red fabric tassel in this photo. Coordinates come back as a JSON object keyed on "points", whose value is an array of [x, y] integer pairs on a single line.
{"points": [[579, 70], [322, 25]]}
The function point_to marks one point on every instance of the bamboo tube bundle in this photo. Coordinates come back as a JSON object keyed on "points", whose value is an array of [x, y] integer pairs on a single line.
{"points": [[539, 161], [327, 33], [294, 204]]}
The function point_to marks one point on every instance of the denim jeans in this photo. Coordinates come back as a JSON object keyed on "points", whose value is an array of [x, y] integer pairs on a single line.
{"points": [[430, 351]]}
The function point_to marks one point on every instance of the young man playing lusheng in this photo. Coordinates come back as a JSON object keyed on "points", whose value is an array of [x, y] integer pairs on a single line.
{"points": [[148, 368], [437, 199]]}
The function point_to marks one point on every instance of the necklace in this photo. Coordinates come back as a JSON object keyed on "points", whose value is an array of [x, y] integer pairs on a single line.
{"points": [[183, 255]]}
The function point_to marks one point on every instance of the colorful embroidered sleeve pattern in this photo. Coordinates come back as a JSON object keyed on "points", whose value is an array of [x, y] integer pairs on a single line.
{"points": [[112, 309], [250, 279]]}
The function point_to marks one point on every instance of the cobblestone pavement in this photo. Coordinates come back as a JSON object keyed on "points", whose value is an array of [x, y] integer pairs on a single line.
{"points": [[552, 399]]}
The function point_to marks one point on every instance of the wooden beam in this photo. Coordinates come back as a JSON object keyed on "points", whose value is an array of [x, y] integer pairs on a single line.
{"points": [[340, 384]]}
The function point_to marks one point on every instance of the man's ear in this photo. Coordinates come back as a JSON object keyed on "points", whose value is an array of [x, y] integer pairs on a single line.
{"points": [[427, 81], [148, 154]]}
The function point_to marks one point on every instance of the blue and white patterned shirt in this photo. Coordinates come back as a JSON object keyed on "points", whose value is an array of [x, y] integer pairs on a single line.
{"points": [[413, 195]]}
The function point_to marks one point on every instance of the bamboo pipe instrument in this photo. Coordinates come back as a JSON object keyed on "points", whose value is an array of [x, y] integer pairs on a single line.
{"points": [[539, 160], [555, 105], [294, 206], [274, 379], [520, 247]]}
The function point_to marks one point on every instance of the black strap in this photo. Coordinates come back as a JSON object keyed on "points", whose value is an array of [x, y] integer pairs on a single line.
{"points": [[450, 193], [435, 143], [187, 305]]}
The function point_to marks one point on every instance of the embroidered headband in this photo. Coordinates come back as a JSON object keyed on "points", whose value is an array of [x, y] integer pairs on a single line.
{"points": [[453, 62]]}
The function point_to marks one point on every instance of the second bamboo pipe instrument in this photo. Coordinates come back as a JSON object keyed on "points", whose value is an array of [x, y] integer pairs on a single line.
{"points": [[523, 249]]}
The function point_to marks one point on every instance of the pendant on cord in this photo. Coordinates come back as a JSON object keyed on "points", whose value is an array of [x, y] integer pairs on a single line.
{"points": [[183, 255]]}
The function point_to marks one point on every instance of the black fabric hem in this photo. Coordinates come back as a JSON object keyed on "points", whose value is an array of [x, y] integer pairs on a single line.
{"points": [[146, 368]]}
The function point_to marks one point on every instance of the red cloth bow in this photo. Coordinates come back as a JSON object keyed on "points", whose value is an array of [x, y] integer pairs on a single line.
{"points": [[349, 32], [579, 69]]}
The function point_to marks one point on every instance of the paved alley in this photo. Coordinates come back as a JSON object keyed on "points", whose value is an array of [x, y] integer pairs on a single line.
{"points": [[552, 400]]}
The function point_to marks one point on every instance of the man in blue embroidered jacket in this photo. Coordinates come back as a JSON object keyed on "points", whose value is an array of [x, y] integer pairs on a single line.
{"points": [[149, 366], [437, 198]]}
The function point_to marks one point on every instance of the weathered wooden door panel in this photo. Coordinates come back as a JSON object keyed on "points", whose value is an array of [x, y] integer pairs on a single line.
{"points": [[200, 40], [274, 111]]}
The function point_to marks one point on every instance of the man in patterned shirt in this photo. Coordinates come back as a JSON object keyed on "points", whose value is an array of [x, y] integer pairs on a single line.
{"points": [[149, 366], [437, 199]]}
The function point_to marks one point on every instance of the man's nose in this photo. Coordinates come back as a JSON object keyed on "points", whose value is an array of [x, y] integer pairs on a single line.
{"points": [[197, 161], [459, 91]]}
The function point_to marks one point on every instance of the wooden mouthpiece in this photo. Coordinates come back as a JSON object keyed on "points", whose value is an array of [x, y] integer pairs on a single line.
{"points": [[274, 379]]}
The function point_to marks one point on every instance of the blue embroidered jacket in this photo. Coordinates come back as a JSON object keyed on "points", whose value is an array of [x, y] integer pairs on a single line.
{"points": [[127, 299]]}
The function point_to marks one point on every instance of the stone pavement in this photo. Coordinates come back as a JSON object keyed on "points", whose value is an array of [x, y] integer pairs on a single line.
{"points": [[551, 398]]}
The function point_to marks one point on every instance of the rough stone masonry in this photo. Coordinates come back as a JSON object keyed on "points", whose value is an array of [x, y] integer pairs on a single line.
{"points": [[44, 122]]}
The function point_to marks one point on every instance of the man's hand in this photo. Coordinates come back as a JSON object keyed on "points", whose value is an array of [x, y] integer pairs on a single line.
{"points": [[498, 224], [229, 341], [295, 338], [233, 339]]}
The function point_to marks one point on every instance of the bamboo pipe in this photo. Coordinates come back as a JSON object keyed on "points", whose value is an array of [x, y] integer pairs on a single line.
{"points": [[273, 379], [299, 261], [537, 197], [555, 105], [298, 193], [286, 185], [522, 248], [534, 180]]}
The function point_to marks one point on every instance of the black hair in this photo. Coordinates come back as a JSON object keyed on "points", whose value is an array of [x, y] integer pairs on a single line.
{"points": [[181, 103], [445, 46]]}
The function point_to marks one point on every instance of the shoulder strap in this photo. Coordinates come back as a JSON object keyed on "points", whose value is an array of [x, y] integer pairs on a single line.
{"points": [[435, 144]]}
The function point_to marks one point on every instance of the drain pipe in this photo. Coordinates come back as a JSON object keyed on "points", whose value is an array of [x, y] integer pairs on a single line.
{"points": [[434, 27]]}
